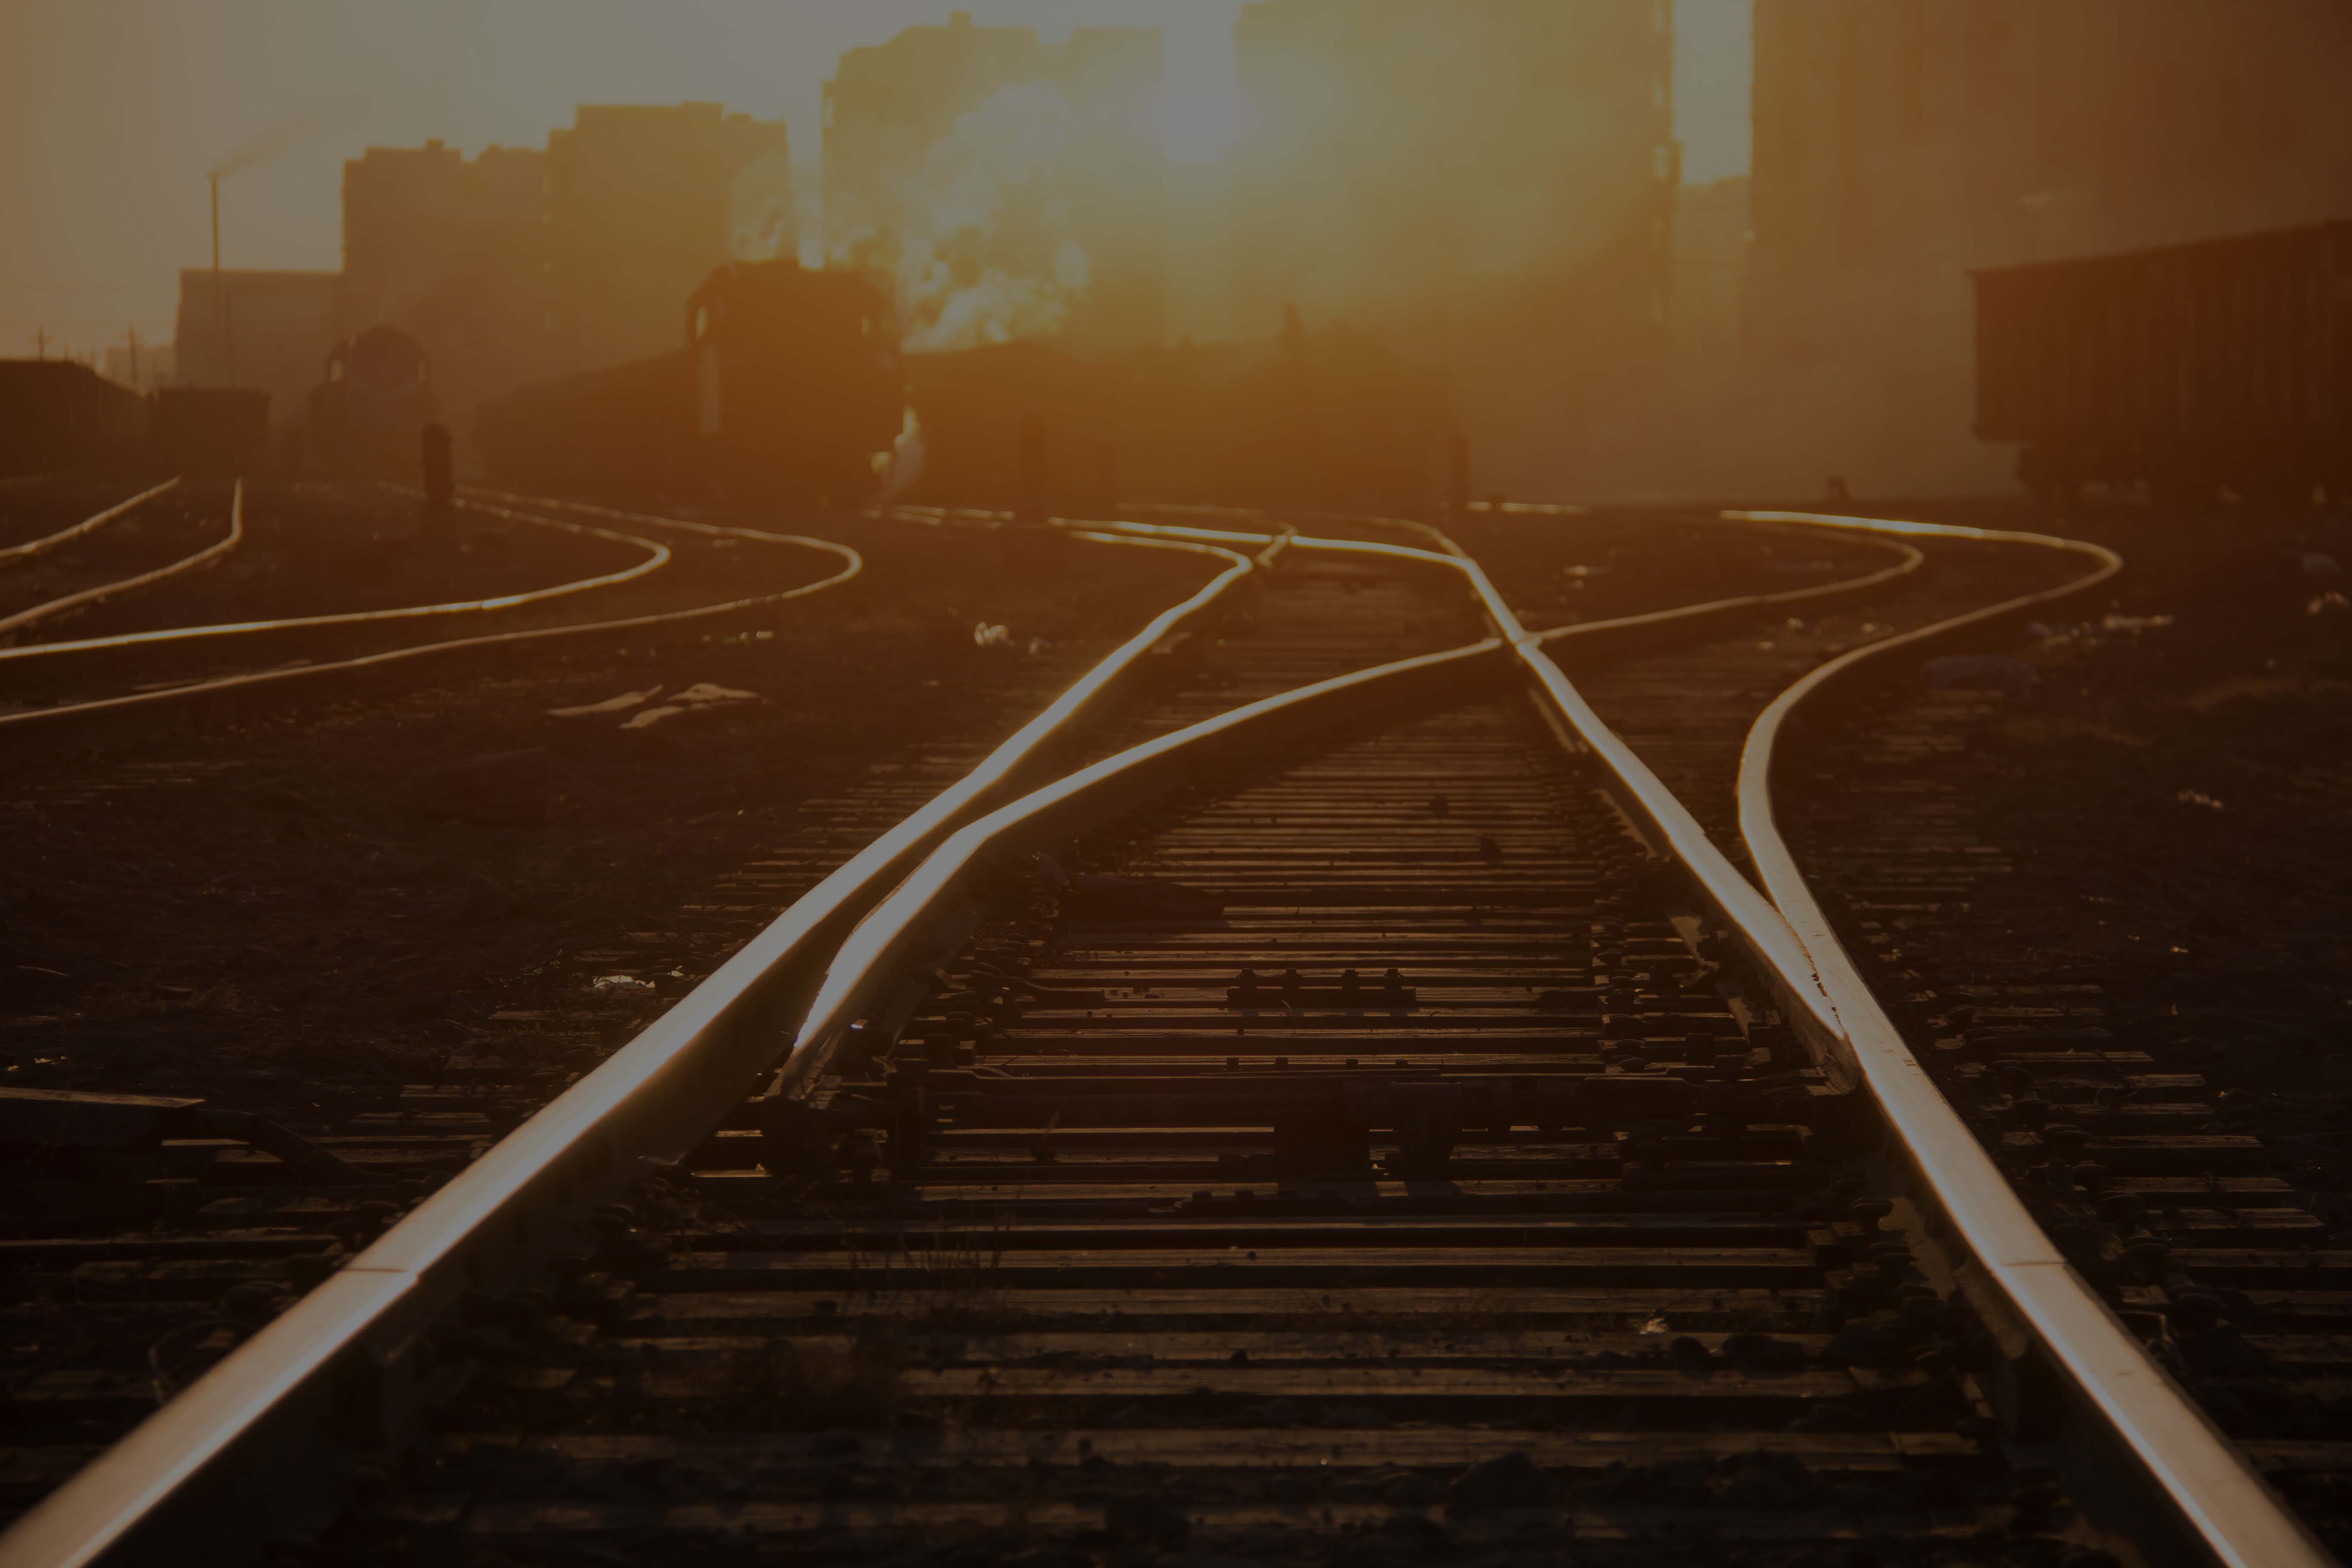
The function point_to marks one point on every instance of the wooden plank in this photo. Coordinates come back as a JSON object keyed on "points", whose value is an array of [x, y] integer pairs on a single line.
{"points": [[1683, 1269]]}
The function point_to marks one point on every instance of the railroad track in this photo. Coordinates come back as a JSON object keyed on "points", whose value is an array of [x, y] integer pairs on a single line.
{"points": [[41, 544], [323, 640], [1346, 1109], [2208, 1233]]}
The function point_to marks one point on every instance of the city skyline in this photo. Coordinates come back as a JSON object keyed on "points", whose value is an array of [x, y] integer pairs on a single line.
{"points": [[152, 95]]}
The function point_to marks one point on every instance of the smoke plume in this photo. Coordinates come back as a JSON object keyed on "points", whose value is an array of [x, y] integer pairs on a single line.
{"points": [[980, 241], [260, 148]]}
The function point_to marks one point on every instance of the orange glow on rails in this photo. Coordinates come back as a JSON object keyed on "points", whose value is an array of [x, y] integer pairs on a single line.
{"points": [[205, 557], [657, 556], [48, 542]]}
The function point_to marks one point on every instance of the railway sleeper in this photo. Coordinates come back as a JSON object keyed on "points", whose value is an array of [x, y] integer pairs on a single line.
{"points": [[1058, 1261]]}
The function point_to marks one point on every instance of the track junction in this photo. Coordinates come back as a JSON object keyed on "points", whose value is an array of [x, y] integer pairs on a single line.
{"points": [[1353, 1076]]}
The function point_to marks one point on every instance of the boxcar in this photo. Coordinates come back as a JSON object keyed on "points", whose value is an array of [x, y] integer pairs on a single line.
{"points": [[2225, 363], [56, 414], [788, 381]]}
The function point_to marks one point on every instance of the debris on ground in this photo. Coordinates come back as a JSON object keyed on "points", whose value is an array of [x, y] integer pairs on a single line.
{"points": [[621, 704]]}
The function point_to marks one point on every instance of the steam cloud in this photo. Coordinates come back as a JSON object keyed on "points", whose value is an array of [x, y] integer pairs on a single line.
{"points": [[980, 241], [764, 218]]}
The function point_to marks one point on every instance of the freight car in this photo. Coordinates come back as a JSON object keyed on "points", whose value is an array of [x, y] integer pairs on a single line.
{"points": [[788, 383], [2226, 364], [56, 414], [368, 414]]}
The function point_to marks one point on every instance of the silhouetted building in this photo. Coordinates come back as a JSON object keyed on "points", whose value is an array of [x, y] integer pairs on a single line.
{"points": [[516, 265], [1899, 143], [1489, 183], [642, 203], [1010, 188], [268, 332], [1710, 253], [455, 252]]}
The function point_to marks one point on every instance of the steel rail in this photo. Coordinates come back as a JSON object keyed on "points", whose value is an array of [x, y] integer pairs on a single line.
{"points": [[229, 684], [687, 525], [205, 557], [1669, 823], [910, 919], [13, 553], [657, 556], [281, 1392], [2236, 1517]]}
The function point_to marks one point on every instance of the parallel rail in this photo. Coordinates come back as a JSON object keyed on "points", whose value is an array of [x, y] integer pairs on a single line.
{"points": [[273, 1400], [660, 1096], [657, 556], [236, 687], [193, 560]]}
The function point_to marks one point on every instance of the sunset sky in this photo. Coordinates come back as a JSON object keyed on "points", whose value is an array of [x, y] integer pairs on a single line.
{"points": [[112, 110]]}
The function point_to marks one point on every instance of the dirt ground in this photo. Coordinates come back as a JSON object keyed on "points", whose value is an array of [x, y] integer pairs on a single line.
{"points": [[2180, 791]]}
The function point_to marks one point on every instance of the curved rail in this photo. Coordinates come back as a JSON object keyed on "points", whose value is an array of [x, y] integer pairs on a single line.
{"points": [[906, 919], [657, 556], [502, 1214], [48, 542], [855, 564], [2237, 1518], [1669, 822], [209, 553], [652, 1100]]}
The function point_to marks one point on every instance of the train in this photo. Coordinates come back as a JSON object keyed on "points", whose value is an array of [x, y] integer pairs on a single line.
{"points": [[2192, 370], [57, 415], [788, 381], [368, 416]]}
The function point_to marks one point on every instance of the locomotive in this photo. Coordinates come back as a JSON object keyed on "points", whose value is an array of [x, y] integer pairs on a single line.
{"points": [[367, 416], [788, 383]]}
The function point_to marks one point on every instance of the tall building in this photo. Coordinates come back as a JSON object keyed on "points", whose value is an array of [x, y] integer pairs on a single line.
{"points": [[1009, 188], [642, 203], [271, 331], [516, 265], [1489, 184], [455, 252], [1899, 143]]}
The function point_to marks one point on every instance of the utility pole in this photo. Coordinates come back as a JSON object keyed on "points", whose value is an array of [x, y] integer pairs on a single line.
{"points": [[220, 296], [40, 343], [131, 337]]}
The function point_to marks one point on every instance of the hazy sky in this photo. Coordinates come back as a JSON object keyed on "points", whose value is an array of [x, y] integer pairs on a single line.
{"points": [[111, 111]]}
